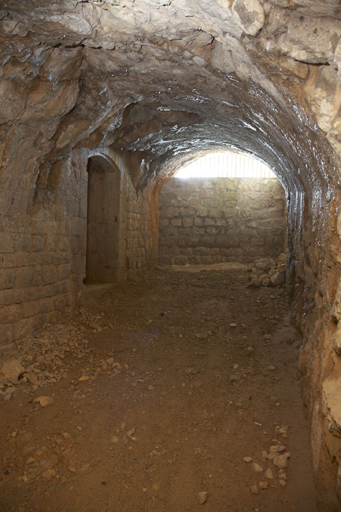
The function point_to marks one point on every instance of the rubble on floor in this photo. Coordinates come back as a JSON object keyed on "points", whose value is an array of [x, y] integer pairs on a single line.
{"points": [[268, 272], [48, 357]]}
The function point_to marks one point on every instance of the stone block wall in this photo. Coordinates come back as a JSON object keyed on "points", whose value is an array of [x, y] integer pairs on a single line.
{"points": [[43, 244], [222, 219]]}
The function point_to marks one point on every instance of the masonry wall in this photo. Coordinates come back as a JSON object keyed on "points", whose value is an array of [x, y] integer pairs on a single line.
{"points": [[43, 243], [222, 219]]}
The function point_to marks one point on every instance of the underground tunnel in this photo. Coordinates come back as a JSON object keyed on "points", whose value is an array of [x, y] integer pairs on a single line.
{"points": [[121, 375]]}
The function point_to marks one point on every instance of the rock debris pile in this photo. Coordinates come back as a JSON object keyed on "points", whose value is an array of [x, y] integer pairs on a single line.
{"points": [[268, 272], [47, 358]]}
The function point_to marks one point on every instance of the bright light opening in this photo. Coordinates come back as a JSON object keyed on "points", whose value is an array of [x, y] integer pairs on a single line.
{"points": [[227, 164]]}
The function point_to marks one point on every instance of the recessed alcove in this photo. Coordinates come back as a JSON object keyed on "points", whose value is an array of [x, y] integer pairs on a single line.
{"points": [[222, 207]]}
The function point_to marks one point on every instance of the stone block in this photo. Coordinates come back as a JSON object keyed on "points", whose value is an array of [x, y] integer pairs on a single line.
{"points": [[187, 222], [76, 244], [180, 260], [52, 243], [187, 212], [7, 243], [29, 309], [209, 221], [170, 212], [186, 250], [214, 230], [25, 243], [227, 241], [38, 243], [23, 277], [176, 222], [6, 333], [184, 232], [201, 251], [27, 326], [256, 241], [215, 212], [36, 279], [9, 314], [194, 260], [63, 302], [163, 223], [177, 202], [46, 305], [49, 274], [207, 260], [11, 296], [7, 278], [72, 207], [198, 221]]}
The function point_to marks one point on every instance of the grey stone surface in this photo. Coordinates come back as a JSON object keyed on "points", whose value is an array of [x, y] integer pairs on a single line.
{"points": [[238, 219]]}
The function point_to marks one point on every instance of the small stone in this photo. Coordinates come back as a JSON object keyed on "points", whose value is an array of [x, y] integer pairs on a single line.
{"points": [[202, 335], [131, 432], [254, 489], [268, 474], [48, 474], [72, 468], [150, 388], [283, 483], [32, 378], [235, 378], [257, 468], [255, 283], [84, 378], [10, 391], [12, 370], [281, 448], [233, 324], [278, 278], [282, 461], [263, 485], [247, 459], [283, 430], [202, 497], [44, 400], [282, 474]]}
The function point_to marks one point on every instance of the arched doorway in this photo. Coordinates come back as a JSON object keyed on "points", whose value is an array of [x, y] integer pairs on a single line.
{"points": [[102, 221]]}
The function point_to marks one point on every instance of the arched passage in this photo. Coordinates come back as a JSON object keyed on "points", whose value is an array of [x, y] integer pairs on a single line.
{"points": [[159, 80], [222, 207], [102, 221]]}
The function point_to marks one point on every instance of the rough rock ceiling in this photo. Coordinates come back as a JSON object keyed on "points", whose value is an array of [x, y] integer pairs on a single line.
{"points": [[164, 78]]}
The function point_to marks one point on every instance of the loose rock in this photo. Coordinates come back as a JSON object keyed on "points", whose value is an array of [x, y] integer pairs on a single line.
{"points": [[202, 497]]}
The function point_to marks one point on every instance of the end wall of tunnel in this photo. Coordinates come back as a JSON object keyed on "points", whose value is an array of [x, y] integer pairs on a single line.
{"points": [[208, 221]]}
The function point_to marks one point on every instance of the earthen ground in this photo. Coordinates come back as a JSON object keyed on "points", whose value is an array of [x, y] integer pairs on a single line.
{"points": [[191, 396]]}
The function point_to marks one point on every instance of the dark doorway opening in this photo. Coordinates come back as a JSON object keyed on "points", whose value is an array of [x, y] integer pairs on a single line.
{"points": [[103, 221]]}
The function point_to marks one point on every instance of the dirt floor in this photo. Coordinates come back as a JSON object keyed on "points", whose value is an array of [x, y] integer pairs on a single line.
{"points": [[176, 392]]}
